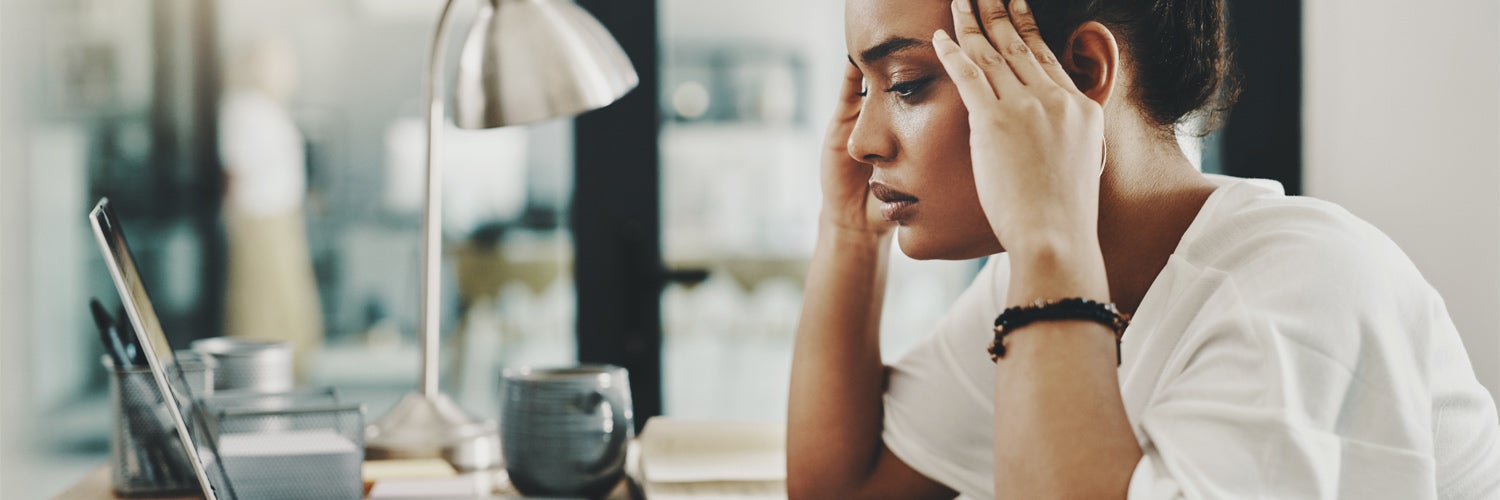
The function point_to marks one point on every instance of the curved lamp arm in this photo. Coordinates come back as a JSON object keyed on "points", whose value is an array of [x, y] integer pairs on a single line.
{"points": [[432, 212]]}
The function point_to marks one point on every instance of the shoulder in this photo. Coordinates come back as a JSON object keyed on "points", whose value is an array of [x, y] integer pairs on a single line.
{"points": [[1300, 271], [1267, 242], [241, 107], [239, 101]]}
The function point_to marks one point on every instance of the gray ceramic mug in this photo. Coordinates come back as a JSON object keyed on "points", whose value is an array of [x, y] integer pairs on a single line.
{"points": [[564, 431]]}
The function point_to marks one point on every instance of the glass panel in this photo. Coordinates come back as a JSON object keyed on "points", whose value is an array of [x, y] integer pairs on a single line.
{"points": [[311, 223], [507, 285], [747, 90]]}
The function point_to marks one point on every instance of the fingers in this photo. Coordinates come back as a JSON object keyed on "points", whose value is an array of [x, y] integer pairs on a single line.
{"points": [[847, 110], [973, 87], [1025, 23], [1007, 41], [851, 99], [978, 50], [852, 88]]}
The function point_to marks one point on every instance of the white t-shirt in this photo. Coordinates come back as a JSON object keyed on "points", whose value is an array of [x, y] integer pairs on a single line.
{"points": [[263, 153], [1287, 350]]}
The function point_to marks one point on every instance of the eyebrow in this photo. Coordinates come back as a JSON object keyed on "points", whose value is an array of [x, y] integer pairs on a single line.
{"points": [[890, 46]]}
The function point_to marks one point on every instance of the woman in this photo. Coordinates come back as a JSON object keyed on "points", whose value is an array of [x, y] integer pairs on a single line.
{"points": [[1277, 347]]}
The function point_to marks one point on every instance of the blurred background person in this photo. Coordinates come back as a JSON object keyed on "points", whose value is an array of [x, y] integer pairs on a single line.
{"points": [[271, 292]]}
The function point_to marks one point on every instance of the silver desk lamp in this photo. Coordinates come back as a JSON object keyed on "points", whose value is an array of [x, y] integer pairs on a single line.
{"points": [[524, 61]]}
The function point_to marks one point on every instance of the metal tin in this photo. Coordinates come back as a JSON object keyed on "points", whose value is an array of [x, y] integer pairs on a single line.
{"points": [[253, 365]]}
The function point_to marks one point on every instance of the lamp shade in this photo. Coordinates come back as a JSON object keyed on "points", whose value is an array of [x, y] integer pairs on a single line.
{"points": [[531, 60]]}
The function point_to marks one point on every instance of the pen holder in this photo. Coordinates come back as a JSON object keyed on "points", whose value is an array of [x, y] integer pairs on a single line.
{"points": [[147, 455], [290, 445]]}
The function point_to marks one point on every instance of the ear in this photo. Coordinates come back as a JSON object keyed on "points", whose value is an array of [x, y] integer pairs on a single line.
{"points": [[1092, 58]]}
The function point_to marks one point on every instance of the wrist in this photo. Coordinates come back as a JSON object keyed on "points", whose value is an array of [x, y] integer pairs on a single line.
{"points": [[829, 224], [1055, 267], [1045, 246], [852, 238], [851, 254]]}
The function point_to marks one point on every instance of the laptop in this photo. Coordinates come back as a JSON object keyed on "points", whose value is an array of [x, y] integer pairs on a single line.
{"points": [[169, 378]]}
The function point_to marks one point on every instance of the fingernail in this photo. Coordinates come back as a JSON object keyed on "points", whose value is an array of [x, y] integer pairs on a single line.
{"points": [[963, 5], [941, 36], [1019, 6]]}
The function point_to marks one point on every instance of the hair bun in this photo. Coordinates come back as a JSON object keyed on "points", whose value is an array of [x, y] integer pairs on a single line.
{"points": [[1180, 51]]}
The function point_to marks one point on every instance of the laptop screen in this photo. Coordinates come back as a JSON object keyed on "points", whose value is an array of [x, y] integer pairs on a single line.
{"points": [[159, 354]]}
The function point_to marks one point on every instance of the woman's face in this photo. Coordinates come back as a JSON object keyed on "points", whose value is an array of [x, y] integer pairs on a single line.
{"points": [[914, 129]]}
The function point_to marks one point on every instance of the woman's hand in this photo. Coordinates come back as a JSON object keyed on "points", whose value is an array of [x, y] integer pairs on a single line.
{"points": [[1036, 141], [847, 202]]}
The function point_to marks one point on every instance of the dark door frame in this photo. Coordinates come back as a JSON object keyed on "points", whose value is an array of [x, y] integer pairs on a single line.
{"points": [[1263, 135], [615, 216]]}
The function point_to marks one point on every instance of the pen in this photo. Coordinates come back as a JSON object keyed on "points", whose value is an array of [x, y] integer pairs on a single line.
{"points": [[128, 336], [114, 346]]}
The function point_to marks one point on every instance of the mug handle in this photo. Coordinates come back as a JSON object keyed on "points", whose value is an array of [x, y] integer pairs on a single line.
{"points": [[619, 432]]}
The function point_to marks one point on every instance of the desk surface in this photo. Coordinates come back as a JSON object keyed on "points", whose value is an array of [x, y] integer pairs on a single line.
{"points": [[96, 486]]}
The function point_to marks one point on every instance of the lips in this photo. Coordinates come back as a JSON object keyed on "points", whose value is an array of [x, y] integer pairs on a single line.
{"points": [[895, 204]]}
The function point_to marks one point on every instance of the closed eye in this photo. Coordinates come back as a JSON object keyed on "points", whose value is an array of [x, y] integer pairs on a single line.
{"points": [[908, 88]]}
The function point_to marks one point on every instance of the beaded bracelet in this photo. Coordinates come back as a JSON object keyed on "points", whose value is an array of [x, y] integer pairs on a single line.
{"points": [[1052, 310]]}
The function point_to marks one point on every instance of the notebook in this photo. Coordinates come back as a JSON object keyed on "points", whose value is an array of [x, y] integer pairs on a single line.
{"points": [[682, 459]]}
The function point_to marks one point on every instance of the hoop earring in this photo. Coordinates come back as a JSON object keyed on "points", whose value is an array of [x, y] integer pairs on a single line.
{"points": [[1103, 155]]}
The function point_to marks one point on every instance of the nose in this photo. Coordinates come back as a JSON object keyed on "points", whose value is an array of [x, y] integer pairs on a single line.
{"points": [[871, 140]]}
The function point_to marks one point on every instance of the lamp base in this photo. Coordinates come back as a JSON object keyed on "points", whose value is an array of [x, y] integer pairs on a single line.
{"points": [[422, 426]]}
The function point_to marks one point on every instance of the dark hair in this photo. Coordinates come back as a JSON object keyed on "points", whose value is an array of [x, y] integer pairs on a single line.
{"points": [[1182, 62]]}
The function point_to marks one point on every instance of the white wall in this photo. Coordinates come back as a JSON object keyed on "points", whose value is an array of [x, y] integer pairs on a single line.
{"points": [[1402, 127], [14, 313]]}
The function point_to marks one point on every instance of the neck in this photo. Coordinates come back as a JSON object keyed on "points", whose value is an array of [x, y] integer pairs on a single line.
{"points": [[1149, 194]]}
